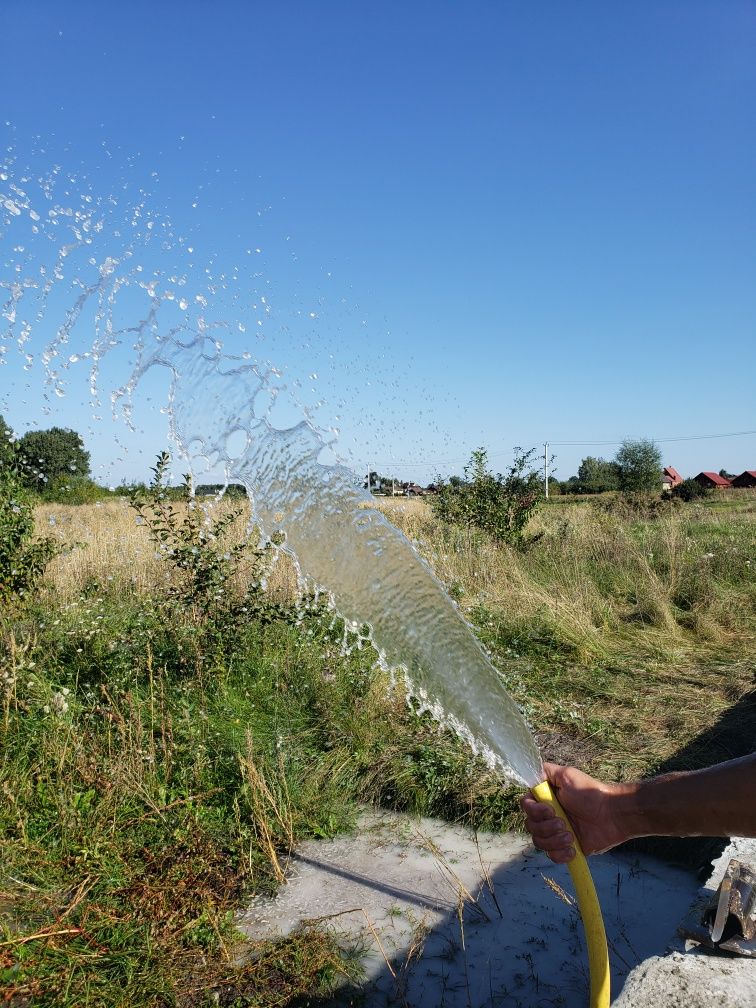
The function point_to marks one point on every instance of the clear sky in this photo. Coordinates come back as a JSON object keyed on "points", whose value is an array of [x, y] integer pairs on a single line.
{"points": [[487, 224]]}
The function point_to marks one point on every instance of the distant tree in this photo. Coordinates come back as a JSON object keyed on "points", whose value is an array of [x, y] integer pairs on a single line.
{"points": [[596, 475], [726, 475], [639, 464], [571, 485], [232, 491], [374, 481], [500, 505], [387, 483], [46, 455]]}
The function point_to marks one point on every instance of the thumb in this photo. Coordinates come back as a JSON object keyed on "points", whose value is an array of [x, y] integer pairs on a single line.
{"points": [[556, 774]]}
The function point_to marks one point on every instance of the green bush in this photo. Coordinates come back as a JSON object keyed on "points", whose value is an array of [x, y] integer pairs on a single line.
{"points": [[496, 504], [23, 558], [209, 569], [74, 490], [690, 490]]}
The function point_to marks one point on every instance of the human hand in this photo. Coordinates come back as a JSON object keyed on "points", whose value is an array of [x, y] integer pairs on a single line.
{"points": [[591, 807]]}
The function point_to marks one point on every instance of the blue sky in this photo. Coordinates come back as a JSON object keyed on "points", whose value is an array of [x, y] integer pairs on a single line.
{"points": [[479, 224]]}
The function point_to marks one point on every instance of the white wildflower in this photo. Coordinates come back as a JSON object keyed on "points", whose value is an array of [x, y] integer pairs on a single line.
{"points": [[59, 703]]}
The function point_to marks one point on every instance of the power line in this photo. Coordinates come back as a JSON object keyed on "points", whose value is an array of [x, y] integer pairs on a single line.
{"points": [[567, 444], [660, 440]]}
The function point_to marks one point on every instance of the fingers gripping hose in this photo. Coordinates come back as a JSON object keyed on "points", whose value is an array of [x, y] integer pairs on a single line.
{"points": [[588, 904]]}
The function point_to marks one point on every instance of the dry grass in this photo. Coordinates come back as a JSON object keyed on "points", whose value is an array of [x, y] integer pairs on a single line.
{"points": [[106, 545], [596, 583], [622, 638], [602, 584]]}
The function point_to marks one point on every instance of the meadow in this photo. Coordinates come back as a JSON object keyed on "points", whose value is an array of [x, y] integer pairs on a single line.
{"points": [[625, 631], [168, 741]]}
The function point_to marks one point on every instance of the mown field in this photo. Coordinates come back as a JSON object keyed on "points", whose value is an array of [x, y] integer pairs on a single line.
{"points": [[168, 737]]}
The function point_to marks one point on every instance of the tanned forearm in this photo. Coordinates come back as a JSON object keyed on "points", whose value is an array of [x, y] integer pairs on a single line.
{"points": [[717, 801]]}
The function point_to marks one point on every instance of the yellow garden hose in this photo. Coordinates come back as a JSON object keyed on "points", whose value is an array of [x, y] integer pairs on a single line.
{"points": [[588, 904]]}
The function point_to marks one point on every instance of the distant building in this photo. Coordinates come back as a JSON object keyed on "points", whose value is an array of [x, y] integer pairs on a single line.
{"points": [[412, 490], [712, 481], [746, 479], [670, 478]]}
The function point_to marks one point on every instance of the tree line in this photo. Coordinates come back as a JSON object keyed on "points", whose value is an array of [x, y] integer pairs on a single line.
{"points": [[54, 463], [636, 468]]}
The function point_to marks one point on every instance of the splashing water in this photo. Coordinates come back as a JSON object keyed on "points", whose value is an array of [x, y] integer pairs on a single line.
{"points": [[94, 280]]}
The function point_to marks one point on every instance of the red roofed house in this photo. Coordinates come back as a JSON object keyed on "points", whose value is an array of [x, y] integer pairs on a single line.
{"points": [[712, 480], [746, 479], [412, 490], [670, 478]]}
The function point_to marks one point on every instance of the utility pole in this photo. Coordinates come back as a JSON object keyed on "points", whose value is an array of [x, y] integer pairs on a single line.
{"points": [[546, 468]]}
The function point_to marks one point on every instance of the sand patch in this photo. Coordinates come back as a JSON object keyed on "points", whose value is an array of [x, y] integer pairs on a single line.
{"points": [[450, 919]]}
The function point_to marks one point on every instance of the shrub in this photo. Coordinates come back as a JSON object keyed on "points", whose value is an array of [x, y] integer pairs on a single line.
{"points": [[23, 558], [690, 490], [208, 568], [74, 490], [496, 504]]}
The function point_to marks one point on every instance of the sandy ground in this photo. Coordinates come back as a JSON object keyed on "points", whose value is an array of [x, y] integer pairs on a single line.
{"points": [[448, 919]]}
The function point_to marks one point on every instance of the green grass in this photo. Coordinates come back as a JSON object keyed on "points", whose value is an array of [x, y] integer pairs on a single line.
{"points": [[156, 774]]}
